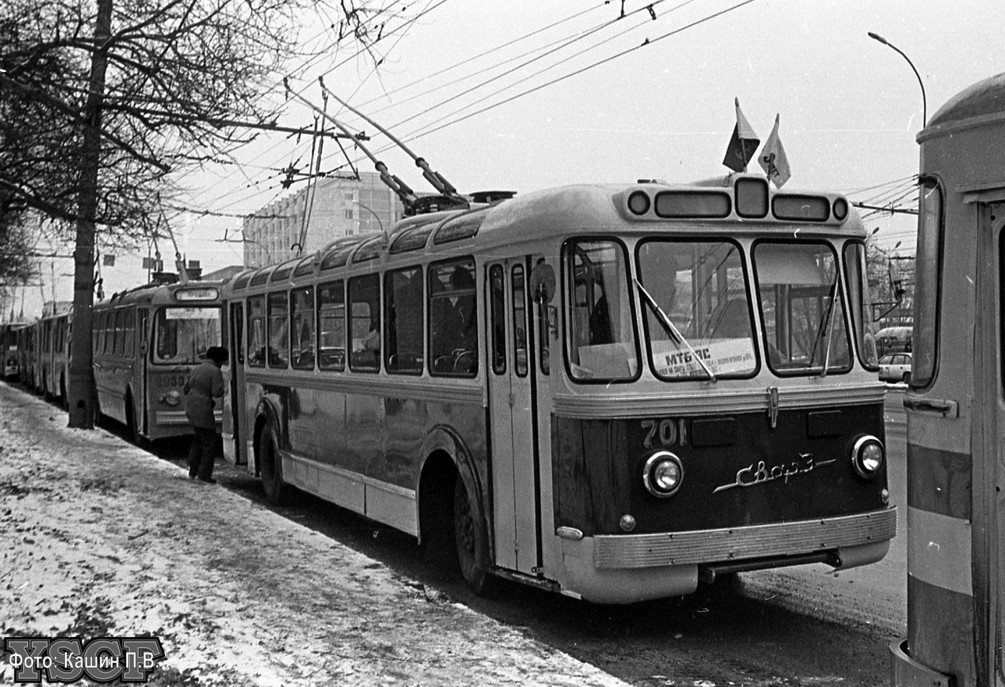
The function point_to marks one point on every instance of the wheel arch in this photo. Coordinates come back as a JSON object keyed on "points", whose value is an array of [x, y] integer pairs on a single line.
{"points": [[265, 412], [447, 459]]}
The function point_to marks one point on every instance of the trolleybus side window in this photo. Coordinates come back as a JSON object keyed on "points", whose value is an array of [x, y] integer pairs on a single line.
{"points": [[109, 344], [403, 333], [279, 328], [256, 331], [802, 307], [860, 304], [926, 289], [120, 331], [453, 321], [602, 342], [497, 304], [364, 326], [331, 326], [128, 348], [519, 321], [302, 331], [99, 331]]}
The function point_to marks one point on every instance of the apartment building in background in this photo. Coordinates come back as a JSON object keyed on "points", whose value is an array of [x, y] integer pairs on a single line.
{"points": [[315, 215]]}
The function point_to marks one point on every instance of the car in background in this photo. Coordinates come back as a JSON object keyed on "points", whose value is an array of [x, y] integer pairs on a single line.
{"points": [[895, 367]]}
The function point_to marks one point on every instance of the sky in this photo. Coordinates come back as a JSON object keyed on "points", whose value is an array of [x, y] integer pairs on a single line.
{"points": [[589, 100]]}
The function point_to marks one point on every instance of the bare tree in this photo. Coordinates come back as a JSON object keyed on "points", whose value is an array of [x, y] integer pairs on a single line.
{"points": [[114, 100]]}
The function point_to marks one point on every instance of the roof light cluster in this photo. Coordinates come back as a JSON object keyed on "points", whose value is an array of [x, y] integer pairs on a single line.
{"points": [[750, 199]]}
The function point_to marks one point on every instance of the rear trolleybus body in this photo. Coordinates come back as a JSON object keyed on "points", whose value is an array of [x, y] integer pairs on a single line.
{"points": [[146, 341], [955, 403], [53, 345], [608, 391], [10, 340]]}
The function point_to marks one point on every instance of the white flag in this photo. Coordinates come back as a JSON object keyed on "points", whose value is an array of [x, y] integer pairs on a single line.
{"points": [[773, 160]]}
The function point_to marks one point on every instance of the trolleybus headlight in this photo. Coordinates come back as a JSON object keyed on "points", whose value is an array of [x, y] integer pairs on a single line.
{"points": [[171, 398], [639, 203], [663, 474], [868, 456]]}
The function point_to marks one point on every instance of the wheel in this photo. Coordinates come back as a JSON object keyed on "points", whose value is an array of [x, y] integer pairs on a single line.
{"points": [[472, 542], [907, 378], [276, 491]]}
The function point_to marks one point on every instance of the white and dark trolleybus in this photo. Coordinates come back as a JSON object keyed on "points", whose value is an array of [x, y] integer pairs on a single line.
{"points": [[609, 391]]}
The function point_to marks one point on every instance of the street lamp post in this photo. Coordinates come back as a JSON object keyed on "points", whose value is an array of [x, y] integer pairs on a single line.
{"points": [[924, 100]]}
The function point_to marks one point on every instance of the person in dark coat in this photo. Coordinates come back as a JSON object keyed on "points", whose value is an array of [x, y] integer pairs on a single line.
{"points": [[204, 384]]}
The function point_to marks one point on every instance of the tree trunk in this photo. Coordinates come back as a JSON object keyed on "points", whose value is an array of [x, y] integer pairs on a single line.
{"points": [[81, 392]]}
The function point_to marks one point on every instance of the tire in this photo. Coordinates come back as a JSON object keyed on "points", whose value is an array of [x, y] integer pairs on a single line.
{"points": [[472, 542], [134, 430], [271, 466], [907, 378]]}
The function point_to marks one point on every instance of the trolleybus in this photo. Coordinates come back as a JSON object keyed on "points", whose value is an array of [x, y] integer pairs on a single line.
{"points": [[956, 402], [10, 335], [609, 391], [27, 356], [146, 341], [53, 348]]}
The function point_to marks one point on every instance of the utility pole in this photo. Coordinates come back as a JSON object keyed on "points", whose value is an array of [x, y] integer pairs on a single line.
{"points": [[81, 383]]}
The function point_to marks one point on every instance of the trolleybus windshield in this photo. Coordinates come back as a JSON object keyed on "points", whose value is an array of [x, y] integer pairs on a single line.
{"points": [[183, 335], [802, 309], [702, 288]]}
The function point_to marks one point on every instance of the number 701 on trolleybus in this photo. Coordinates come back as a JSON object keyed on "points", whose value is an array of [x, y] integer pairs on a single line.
{"points": [[609, 391]]}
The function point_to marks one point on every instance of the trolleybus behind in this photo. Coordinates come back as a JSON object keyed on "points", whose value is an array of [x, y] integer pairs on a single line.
{"points": [[146, 341]]}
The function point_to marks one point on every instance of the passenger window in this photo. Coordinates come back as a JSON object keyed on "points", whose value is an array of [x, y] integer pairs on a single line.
{"points": [[302, 332], [279, 327], [403, 313], [364, 306], [130, 332], [519, 321], [497, 303], [120, 331], [99, 340], [256, 331], [331, 326], [453, 319]]}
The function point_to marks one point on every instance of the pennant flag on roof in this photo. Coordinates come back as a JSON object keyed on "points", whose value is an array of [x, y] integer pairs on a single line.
{"points": [[742, 145], [773, 160]]}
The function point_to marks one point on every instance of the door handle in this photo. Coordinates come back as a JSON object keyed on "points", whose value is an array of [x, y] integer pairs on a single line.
{"points": [[945, 408]]}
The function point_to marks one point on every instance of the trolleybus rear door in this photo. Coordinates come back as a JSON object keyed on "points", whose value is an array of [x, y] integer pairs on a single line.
{"points": [[233, 399], [511, 417]]}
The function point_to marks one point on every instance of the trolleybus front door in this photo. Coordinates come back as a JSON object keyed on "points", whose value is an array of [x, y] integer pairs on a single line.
{"points": [[511, 416], [139, 364]]}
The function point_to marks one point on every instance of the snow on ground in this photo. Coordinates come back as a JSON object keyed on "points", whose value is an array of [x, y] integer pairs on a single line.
{"points": [[103, 539]]}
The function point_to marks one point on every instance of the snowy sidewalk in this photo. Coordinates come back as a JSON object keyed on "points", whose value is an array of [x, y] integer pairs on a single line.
{"points": [[102, 539]]}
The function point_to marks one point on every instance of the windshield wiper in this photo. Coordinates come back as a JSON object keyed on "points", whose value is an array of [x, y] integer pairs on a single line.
{"points": [[672, 330], [826, 329]]}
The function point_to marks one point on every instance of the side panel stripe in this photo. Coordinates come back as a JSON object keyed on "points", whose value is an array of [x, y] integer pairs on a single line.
{"points": [[939, 481], [939, 550], [940, 631]]}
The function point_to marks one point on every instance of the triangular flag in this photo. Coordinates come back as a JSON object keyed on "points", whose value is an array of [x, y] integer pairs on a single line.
{"points": [[742, 145], [773, 160]]}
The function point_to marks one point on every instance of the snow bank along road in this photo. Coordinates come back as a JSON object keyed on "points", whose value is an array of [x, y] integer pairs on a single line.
{"points": [[102, 539]]}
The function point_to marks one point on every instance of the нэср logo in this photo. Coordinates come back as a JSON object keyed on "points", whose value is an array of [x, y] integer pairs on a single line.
{"points": [[68, 659]]}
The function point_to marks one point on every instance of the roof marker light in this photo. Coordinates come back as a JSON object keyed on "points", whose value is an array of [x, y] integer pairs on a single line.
{"points": [[639, 203], [840, 209]]}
